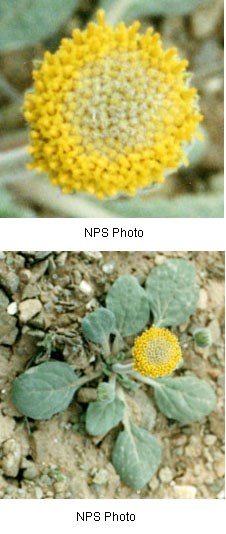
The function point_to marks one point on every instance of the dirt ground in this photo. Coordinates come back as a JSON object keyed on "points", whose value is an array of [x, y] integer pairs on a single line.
{"points": [[56, 458]]}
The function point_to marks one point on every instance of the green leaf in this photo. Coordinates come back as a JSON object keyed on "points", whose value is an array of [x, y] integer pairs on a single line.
{"points": [[10, 209], [172, 292], [24, 23], [136, 456], [184, 399], [105, 392], [102, 417], [98, 326], [44, 390], [127, 10], [129, 303], [205, 205]]}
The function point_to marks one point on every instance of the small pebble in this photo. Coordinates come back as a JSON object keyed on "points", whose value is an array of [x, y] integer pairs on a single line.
{"points": [[165, 474], [4, 301], [38, 492], [210, 439], [154, 484], [185, 492], [11, 457], [219, 468], [108, 268], [215, 330], [28, 309], [221, 495], [25, 275], [12, 308], [31, 472], [92, 255], [202, 299], [85, 288], [101, 477]]}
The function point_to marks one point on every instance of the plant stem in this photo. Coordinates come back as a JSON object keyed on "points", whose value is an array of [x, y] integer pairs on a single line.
{"points": [[145, 379], [122, 367], [12, 159], [9, 90], [125, 420], [37, 191], [117, 344], [84, 379]]}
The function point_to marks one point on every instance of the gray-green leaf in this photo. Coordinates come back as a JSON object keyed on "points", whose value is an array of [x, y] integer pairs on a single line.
{"points": [[98, 326], [128, 301], [24, 23], [172, 292], [127, 10], [136, 456], [44, 390], [205, 205], [102, 417], [184, 399]]}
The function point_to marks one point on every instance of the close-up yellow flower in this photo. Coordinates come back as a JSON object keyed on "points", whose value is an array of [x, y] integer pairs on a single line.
{"points": [[156, 352], [111, 111]]}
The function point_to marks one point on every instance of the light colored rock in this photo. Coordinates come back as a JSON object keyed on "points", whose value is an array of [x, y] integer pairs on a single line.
{"points": [[38, 270], [154, 483], [165, 475], [7, 425], [4, 301], [184, 492], [101, 477], [215, 330], [203, 299], [85, 288], [210, 439], [8, 330], [11, 457], [93, 255], [108, 268], [31, 472], [28, 309], [12, 308], [219, 468], [205, 20], [9, 280]]}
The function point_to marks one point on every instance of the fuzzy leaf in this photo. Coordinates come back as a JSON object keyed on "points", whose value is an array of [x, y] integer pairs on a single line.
{"points": [[172, 292], [129, 303], [184, 399], [205, 205], [102, 417], [136, 456], [10, 209], [128, 10], [24, 23], [98, 326], [44, 390]]}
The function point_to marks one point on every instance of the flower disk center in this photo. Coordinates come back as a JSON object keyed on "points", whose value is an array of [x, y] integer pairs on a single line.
{"points": [[113, 104], [158, 351]]}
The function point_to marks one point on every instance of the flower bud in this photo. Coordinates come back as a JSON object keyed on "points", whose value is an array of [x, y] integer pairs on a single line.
{"points": [[105, 392], [202, 337]]}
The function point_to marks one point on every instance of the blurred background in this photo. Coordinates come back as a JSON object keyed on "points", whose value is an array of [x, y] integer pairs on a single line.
{"points": [[28, 28]]}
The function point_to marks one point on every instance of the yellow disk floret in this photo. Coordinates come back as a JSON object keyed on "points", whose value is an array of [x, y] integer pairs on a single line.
{"points": [[156, 352], [111, 111]]}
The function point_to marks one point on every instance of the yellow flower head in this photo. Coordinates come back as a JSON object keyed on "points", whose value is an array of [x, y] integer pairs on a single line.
{"points": [[111, 111], [156, 352]]}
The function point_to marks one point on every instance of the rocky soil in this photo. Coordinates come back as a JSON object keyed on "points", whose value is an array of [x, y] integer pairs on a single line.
{"points": [[50, 292]]}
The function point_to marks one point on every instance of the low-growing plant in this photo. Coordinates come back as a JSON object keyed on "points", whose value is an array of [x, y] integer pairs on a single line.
{"points": [[169, 298]]}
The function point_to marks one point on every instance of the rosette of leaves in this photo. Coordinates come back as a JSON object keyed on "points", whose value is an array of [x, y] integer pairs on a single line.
{"points": [[170, 297]]}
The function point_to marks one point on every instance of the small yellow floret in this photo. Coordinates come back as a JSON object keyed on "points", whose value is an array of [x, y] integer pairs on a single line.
{"points": [[156, 352], [111, 111]]}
